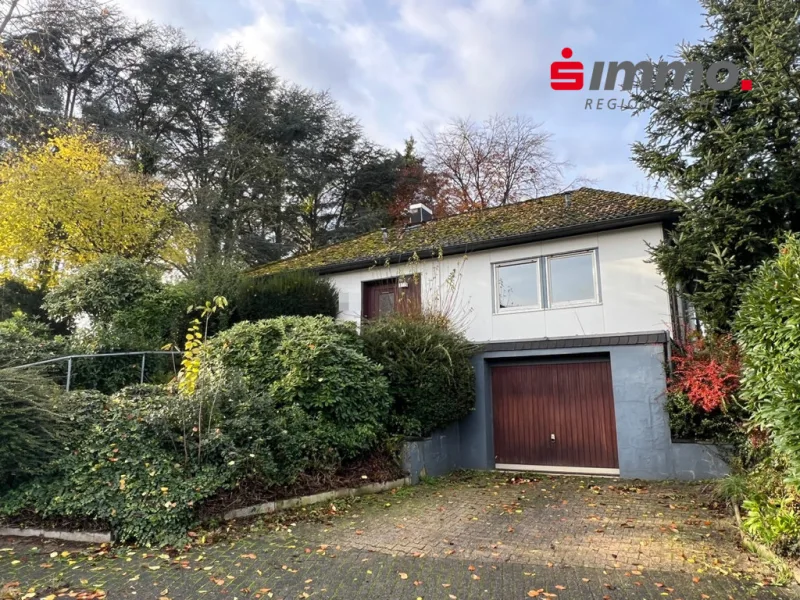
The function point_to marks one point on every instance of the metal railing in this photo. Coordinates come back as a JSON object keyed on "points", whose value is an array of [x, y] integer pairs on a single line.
{"points": [[70, 358]]}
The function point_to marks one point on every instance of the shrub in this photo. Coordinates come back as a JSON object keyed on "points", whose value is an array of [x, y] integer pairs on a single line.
{"points": [[772, 507], [690, 422], [16, 296], [431, 378], [143, 459], [706, 371], [101, 288], [118, 472], [313, 363], [24, 340], [769, 336], [295, 293], [29, 424]]}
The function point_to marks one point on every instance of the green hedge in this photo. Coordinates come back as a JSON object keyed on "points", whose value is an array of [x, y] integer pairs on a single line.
{"points": [[295, 293], [430, 374], [768, 331], [317, 364]]}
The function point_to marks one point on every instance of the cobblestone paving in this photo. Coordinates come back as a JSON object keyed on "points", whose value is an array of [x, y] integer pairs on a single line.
{"points": [[479, 537]]}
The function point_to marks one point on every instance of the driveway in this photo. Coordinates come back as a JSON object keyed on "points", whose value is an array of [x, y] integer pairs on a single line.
{"points": [[476, 536]]}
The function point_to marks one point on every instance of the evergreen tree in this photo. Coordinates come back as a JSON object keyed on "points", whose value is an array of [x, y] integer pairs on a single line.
{"points": [[730, 157]]}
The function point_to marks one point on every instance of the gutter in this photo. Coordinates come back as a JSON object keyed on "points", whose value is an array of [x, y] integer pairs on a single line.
{"points": [[525, 238]]}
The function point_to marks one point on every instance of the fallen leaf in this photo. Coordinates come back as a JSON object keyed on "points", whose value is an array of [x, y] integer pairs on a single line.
{"points": [[403, 575]]}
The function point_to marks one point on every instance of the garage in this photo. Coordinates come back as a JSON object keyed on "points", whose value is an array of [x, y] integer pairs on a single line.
{"points": [[555, 416]]}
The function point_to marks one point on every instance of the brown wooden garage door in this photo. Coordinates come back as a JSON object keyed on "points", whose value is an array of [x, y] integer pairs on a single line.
{"points": [[555, 415]]}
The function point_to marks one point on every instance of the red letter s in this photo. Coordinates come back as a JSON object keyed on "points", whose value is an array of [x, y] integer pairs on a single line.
{"points": [[566, 75]]}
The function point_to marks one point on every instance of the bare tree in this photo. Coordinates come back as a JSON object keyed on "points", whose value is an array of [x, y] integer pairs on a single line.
{"points": [[499, 161]]}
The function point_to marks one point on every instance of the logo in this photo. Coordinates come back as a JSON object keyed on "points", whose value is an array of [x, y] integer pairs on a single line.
{"points": [[721, 76]]}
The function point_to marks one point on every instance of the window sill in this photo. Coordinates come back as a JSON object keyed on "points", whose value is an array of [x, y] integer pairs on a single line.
{"points": [[515, 311], [575, 305]]}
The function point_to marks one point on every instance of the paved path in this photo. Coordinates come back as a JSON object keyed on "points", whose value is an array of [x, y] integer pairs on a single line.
{"points": [[479, 537]]}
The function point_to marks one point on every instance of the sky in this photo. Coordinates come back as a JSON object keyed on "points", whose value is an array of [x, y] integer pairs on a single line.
{"points": [[401, 65]]}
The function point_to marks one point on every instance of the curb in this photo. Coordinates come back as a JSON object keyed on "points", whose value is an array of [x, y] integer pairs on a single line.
{"points": [[271, 507], [101, 537]]}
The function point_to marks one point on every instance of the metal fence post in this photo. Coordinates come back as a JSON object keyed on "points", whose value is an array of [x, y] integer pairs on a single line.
{"points": [[141, 378], [69, 372]]}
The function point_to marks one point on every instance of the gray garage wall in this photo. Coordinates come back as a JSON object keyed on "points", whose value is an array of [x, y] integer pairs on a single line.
{"points": [[643, 437]]}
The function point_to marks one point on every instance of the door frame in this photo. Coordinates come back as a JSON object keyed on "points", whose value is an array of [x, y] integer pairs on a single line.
{"points": [[556, 358]]}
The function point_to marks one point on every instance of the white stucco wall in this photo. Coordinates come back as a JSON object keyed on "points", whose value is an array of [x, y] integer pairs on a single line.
{"points": [[633, 295]]}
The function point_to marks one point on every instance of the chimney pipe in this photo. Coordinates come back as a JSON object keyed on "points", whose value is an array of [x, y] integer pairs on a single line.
{"points": [[567, 199], [419, 213]]}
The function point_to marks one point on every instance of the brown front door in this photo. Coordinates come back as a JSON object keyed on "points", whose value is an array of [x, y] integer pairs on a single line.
{"points": [[388, 296], [555, 415]]}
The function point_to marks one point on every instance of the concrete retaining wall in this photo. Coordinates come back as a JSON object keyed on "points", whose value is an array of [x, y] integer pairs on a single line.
{"points": [[692, 461], [433, 456]]}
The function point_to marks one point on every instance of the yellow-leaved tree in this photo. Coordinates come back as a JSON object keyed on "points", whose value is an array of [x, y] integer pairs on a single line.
{"points": [[67, 200]]}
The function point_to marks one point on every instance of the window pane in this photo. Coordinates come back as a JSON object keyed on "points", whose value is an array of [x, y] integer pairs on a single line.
{"points": [[518, 285], [385, 303], [572, 278]]}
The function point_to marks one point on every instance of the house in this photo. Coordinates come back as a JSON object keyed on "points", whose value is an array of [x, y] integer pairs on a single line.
{"points": [[572, 319]]}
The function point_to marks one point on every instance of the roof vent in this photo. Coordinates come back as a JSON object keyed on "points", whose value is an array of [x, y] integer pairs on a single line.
{"points": [[419, 213], [567, 199]]}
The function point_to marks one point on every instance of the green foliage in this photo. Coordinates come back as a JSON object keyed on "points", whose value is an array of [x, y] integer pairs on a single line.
{"points": [[731, 156], [775, 522], [316, 364], [295, 293], [772, 506], [431, 378], [194, 346], [16, 296], [101, 288], [143, 459], [29, 424], [690, 422], [24, 340], [768, 331], [152, 321]]}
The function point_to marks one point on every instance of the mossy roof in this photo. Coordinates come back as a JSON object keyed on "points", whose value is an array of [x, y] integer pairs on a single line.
{"points": [[545, 217]]}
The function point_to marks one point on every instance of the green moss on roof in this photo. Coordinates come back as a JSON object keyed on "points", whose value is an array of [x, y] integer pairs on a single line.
{"points": [[540, 215]]}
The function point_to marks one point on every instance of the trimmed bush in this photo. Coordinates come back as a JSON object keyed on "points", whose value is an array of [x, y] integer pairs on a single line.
{"points": [[431, 378], [29, 425], [314, 363], [295, 293], [768, 331]]}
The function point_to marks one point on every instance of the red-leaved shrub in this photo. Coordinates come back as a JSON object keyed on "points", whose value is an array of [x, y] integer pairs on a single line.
{"points": [[706, 370]]}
